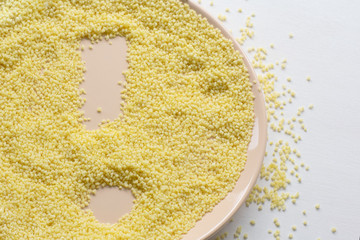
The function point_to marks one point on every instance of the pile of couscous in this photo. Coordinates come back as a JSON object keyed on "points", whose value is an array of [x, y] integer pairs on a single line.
{"points": [[180, 144]]}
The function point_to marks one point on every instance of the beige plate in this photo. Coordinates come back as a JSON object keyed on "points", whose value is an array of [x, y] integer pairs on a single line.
{"points": [[108, 204]]}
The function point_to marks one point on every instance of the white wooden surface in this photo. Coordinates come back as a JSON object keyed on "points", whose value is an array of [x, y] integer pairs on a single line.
{"points": [[326, 46]]}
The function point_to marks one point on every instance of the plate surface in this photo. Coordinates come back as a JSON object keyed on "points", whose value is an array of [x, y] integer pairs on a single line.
{"points": [[106, 94]]}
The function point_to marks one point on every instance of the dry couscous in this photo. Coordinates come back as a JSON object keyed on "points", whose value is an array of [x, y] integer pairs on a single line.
{"points": [[180, 145]]}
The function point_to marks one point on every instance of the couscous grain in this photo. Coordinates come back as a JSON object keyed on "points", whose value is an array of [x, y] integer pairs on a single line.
{"points": [[180, 145]]}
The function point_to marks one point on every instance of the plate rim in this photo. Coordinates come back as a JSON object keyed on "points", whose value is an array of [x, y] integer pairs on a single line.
{"points": [[262, 126]]}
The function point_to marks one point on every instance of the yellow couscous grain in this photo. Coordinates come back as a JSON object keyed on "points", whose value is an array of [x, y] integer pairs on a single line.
{"points": [[222, 17], [276, 222], [180, 145]]}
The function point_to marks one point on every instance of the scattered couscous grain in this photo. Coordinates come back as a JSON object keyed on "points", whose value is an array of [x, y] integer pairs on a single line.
{"points": [[277, 234], [333, 230], [276, 222], [222, 236], [222, 17], [275, 172], [238, 230]]}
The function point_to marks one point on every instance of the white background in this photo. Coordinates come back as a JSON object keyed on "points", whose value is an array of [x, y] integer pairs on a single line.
{"points": [[326, 46]]}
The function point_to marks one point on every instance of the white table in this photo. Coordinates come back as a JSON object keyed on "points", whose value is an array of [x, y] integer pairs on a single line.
{"points": [[325, 46]]}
